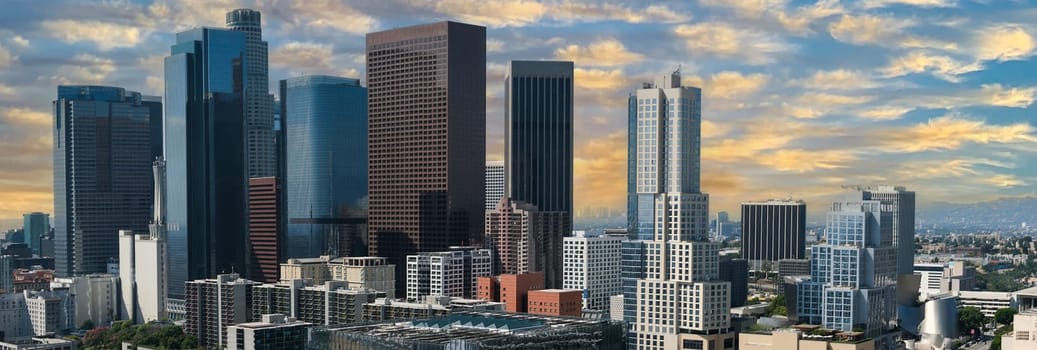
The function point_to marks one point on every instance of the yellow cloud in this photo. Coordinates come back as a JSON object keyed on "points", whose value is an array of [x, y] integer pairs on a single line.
{"points": [[332, 14], [839, 79], [604, 53], [599, 79], [884, 113], [712, 130], [599, 168], [951, 132], [1003, 180], [801, 161], [14, 201], [726, 40], [814, 105], [758, 137], [918, 3], [996, 95], [494, 12], [303, 55], [103, 34], [24, 117], [796, 21], [1005, 43], [867, 29], [501, 13], [729, 84], [945, 168], [942, 67]]}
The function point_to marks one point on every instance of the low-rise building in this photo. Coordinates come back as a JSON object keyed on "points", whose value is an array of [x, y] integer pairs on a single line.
{"points": [[986, 302], [1024, 333], [514, 290], [793, 339], [272, 332], [27, 343], [385, 309], [96, 297], [366, 272], [555, 302], [50, 312]]}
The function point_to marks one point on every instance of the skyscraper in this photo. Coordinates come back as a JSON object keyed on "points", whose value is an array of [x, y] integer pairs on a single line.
{"points": [[36, 226], [258, 103], [265, 228], [526, 239], [427, 138], [900, 203], [773, 230], [143, 262], [853, 274], [206, 162], [325, 122], [102, 167], [592, 264], [494, 183], [681, 302]]}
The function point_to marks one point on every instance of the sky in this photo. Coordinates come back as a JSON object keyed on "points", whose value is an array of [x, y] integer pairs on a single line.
{"points": [[800, 98]]}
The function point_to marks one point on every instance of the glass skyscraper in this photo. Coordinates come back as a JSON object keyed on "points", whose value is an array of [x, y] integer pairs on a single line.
{"points": [[538, 144], [102, 167], [258, 103], [325, 121], [206, 162], [36, 225]]}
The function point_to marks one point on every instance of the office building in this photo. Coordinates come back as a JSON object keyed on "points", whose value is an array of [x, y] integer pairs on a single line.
{"points": [[538, 140], [258, 103], [102, 167], [900, 203], [366, 272], [680, 263], [95, 298], [592, 265], [494, 183], [852, 284], [36, 227], [947, 278], [330, 303], [6, 273], [32, 279], [427, 139], [514, 290], [801, 338], [14, 316], [325, 120], [736, 271], [986, 301], [525, 239], [50, 312], [452, 273], [273, 332], [205, 128], [478, 330], [1024, 332], [31, 343], [265, 228], [555, 302], [214, 304], [773, 230]]}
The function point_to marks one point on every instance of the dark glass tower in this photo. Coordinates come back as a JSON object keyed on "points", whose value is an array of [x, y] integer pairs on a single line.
{"points": [[206, 169], [102, 162], [325, 122], [538, 143], [773, 230], [427, 139]]}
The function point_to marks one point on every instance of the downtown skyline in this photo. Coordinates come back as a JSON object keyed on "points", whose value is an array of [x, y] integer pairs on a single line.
{"points": [[799, 99]]}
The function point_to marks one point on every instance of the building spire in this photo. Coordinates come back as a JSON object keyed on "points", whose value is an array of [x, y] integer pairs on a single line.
{"points": [[158, 220]]}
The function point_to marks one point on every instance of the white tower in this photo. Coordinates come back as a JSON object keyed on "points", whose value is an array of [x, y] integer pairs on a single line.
{"points": [[143, 269]]}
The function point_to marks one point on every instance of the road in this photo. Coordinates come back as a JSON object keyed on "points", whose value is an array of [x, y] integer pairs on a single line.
{"points": [[981, 345]]}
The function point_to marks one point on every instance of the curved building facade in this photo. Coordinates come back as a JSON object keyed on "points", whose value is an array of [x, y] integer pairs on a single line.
{"points": [[325, 122]]}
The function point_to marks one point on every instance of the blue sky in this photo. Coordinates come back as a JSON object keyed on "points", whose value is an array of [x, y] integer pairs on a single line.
{"points": [[800, 97]]}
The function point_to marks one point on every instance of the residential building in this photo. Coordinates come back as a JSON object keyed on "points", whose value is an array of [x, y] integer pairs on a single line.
{"points": [[555, 302], [214, 304], [102, 163], [680, 301], [14, 316], [258, 103], [452, 273], [525, 239], [330, 303], [50, 312], [144, 262], [273, 332], [36, 227], [265, 228], [616, 307], [538, 142], [494, 183], [95, 298], [427, 139], [325, 132], [514, 290], [205, 154], [365, 272], [852, 284], [900, 203], [592, 265], [787, 269], [736, 272], [773, 230], [32, 343], [1024, 332]]}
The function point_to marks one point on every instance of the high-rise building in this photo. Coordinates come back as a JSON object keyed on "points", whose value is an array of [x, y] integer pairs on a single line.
{"points": [[36, 227], [452, 273], [900, 203], [273, 332], [852, 284], [258, 103], [329, 303], [525, 239], [265, 228], [95, 298], [325, 121], [365, 272], [736, 271], [592, 264], [773, 230], [50, 311], [214, 304], [102, 167], [427, 139], [207, 212], [7, 273], [494, 183], [143, 262], [681, 302], [538, 139]]}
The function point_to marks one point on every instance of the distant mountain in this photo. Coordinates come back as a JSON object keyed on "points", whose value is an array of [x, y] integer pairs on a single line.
{"points": [[1002, 212]]}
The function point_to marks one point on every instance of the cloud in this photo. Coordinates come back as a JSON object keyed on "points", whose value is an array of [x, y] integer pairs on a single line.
{"points": [[332, 14], [504, 13], [24, 117], [104, 35], [838, 79], [868, 29], [494, 12], [599, 175], [712, 130], [996, 95], [796, 21], [493, 45], [600, 79], [1003, 180], [942, 67], [303, 55], [884, 113], [181, 15], [951, 132], [946, 168], [918, 3], [6, 58], [814, 104], [729, 84], [766, 134], [81, 69], [801, 160], [1005, 43], [607, 52], [728, 41]]}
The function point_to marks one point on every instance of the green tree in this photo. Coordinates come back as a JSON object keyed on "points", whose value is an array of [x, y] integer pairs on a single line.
{"points": [[1005, 315], [87, 325], [970, 318]]}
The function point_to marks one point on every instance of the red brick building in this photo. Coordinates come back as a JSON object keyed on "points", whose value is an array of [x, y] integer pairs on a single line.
{"points": [[514, 289], [555, 302]]}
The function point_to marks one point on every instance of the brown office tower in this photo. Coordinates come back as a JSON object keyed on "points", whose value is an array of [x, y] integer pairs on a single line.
{"points": [[426, 138], [264, 229]]}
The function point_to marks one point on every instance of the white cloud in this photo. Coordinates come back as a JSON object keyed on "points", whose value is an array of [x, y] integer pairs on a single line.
{"points": [[884, 113], [493, 45], [726, 40], [104, 35], [943, 67], [608, 52], [503, 13], [838, 79], [729, 84], [1005, 43], [918, 3], [868, 29], [82, 69], [302, 55], [599, 79], [796, 21]]}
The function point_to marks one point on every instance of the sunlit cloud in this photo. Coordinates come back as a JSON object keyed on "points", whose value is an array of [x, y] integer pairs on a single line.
{"points": [[726, 40], [729, 84], [304, 55], [23, 117], [81, 69], [952, 132], [331, 14], [797, 21], [838, 79], [600, 79], [943, 67], [918, 3], [868, 29], [501, 13], [603, 53], [599, 177], [1005, 43], [884, 113], [1004, 180], [105, 35], [801, 160], [6, 57]]}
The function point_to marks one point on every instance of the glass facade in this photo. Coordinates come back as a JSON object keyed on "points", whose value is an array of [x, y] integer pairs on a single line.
{"points": [[102, 181], [205, 155], [325, 122]]}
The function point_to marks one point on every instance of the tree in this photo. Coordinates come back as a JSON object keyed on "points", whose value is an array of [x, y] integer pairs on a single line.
{"points": [[1005, 315], [87, 325], [970, 318]]}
